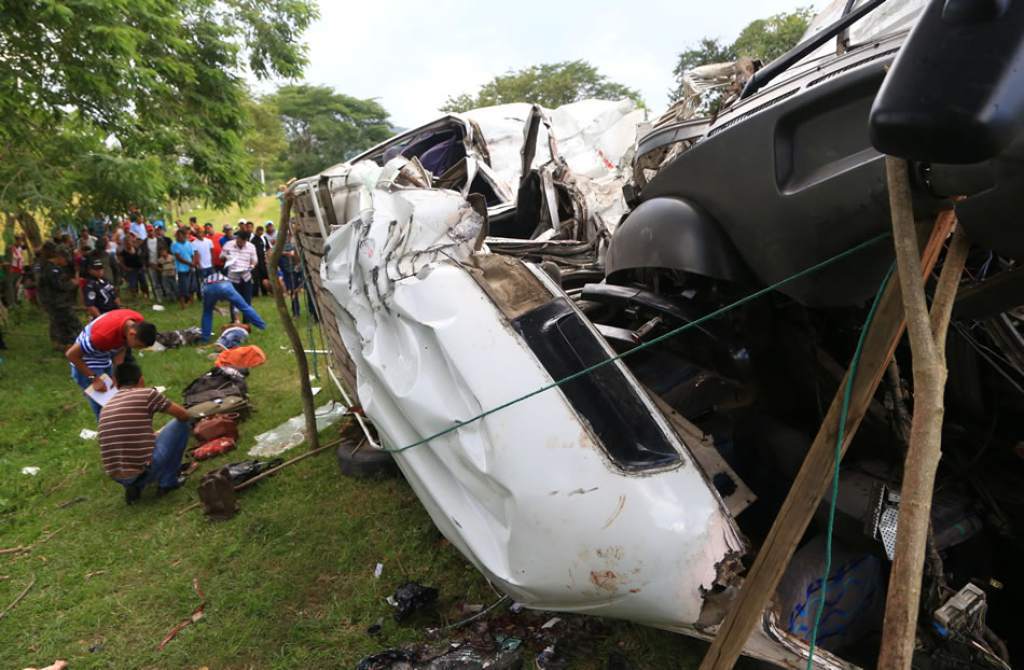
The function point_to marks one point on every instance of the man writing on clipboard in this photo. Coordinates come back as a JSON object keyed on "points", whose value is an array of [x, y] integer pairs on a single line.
{"points": [[103, 344]]}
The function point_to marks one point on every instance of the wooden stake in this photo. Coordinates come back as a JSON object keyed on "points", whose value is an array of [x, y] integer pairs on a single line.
{"points": [[811, 482], [927, 344], [308, 408]]}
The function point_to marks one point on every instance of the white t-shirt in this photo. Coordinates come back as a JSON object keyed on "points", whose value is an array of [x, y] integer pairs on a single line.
{"points": [[205, 249]]}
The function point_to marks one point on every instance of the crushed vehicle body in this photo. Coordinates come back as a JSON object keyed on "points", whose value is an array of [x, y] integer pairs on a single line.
{"points": [[642, 488]]}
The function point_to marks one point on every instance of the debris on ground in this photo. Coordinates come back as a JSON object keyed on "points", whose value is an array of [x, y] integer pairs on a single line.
{"points": [[88, 434], [73, 501], [217, 495], [292, 432], [243, 471], [196, 615], [453, 656], [180, 338], [410, 597], [30, 470], [378, 571]]}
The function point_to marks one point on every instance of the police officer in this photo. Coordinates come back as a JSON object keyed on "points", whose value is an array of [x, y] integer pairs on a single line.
{"points": [[59, 290], [100, 295]]}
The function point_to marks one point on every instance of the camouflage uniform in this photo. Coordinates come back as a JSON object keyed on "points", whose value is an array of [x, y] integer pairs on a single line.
{"points": [[57, 293]]}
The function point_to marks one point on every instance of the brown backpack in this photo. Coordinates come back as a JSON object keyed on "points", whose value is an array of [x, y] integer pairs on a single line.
{"points": [[218, 425], [217, 494]]}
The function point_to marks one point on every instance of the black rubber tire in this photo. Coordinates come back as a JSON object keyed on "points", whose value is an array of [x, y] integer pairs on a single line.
{"points": [[358, 459]]}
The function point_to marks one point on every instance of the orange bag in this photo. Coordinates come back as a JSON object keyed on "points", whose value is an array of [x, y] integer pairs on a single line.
{"points": [[249, 356]]}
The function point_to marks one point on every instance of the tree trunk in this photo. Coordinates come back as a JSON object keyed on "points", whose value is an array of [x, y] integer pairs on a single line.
{"points": [[308, 409], [927, 342]]}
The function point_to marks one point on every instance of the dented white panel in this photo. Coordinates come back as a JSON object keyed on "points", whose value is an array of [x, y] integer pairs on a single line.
{"points": [[525, 493]]}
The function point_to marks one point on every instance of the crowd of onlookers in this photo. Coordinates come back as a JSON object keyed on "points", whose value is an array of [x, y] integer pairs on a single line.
{"points": [[92, 266]]}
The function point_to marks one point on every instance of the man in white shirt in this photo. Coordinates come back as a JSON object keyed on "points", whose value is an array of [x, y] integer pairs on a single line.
{"points": [[139, 227], [204, 248], [239, 261], [270, 234]]}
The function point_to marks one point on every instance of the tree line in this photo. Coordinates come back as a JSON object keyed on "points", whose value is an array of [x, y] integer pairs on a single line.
{"points": [[109, 105]]}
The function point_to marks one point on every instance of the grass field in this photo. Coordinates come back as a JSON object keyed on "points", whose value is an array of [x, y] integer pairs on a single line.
{"points": [[289, 581], [262, 209]]}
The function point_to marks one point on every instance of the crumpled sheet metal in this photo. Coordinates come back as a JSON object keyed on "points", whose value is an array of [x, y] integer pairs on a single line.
{"points": [[525, 494], [592, 136]]}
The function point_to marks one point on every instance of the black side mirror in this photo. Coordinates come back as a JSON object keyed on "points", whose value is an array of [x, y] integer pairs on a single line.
{"points": [[955, 93]]}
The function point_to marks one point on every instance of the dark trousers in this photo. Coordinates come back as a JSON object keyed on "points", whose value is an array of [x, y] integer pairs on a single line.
{"points": [[244, 289]]}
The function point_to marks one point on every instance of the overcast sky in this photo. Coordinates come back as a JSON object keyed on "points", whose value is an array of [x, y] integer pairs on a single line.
{"points": [[411, 56]]}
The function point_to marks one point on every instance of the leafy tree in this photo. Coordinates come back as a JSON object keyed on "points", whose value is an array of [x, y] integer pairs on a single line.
{"points": [[550, 85], [762, 39], [264, 139], [163, 77], [767, 39], [324, 127], [708, 50]]}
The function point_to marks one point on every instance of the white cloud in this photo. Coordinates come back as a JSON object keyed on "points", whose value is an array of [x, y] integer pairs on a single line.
{"points": [[412, 55]]}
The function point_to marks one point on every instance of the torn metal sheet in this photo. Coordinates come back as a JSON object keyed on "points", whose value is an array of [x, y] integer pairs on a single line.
{"points": [[580, 153]]}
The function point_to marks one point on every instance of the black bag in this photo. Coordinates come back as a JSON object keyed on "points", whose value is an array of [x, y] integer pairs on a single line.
{"points": [[217, 384]]}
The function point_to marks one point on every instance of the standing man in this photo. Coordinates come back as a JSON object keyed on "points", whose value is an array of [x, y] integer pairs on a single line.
{"points": [[270, 234], [260, 285], [104, 342], [185, 259], [204, 251], [209, 234], [100, 296], [138, 227], [152, 247], [219, 287], [227, 236], [132, 454], [239, 262], [59, 285]]}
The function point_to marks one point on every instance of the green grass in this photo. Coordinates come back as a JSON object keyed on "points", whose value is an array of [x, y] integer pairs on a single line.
{"points": [[262, 209], [288, 581]]}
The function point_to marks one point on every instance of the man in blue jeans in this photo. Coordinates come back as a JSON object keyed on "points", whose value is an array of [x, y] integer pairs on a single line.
{"points": [[132, 454], [218, 287]]}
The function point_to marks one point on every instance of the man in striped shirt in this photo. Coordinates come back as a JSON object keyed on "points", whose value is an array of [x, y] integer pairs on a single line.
{"points": [[104, 343], [132, 454]]}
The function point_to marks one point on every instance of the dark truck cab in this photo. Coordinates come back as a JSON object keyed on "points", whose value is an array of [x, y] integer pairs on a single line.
{"points": [[790, 175]]}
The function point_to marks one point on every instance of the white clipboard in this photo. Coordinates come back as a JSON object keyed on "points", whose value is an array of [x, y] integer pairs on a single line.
{"points": [[101, 398]]}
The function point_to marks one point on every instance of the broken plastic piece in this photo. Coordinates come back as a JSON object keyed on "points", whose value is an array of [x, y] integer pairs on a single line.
{"points": [[88, 434], [30, 470], [410, 597], [378, 571]]}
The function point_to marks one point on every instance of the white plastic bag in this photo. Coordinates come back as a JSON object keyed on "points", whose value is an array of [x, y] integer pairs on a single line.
{"points": [[291, 433]]}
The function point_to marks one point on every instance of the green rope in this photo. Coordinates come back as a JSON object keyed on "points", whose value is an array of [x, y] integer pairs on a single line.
{"points": [[650, 343], [840, 436]]}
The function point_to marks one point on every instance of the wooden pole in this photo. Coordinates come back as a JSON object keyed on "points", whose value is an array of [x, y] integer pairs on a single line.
{"points": [[811, 482], [927, 335], [308, 408]]}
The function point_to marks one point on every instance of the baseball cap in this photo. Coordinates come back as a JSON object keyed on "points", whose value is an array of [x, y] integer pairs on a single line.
{"points": [[227, 228], [96, 264]]}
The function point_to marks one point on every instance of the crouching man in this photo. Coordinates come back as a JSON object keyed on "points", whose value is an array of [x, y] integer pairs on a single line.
{"points": [[133, 455]]}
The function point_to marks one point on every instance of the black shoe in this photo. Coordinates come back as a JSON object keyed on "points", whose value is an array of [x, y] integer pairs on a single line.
{"points": [[164, 490], [132, 493]]}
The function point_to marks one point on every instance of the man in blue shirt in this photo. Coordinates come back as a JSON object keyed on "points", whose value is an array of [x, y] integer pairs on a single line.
{"points": [[185, 260]]}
